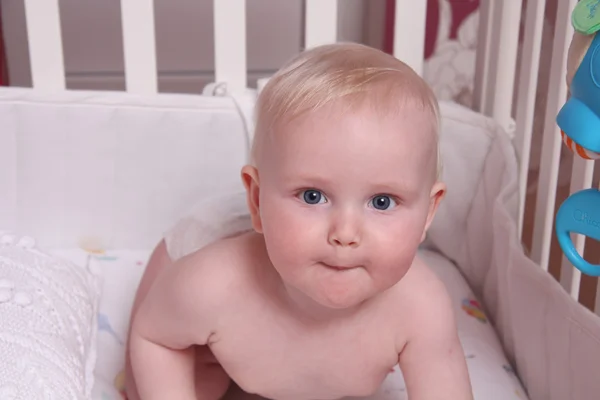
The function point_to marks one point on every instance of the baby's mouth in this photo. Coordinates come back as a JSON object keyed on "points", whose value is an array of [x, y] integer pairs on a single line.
{"points": [[340, 267]]}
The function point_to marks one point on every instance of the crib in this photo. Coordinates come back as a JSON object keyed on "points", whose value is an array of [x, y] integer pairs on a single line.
{"points": [[95, 178]]}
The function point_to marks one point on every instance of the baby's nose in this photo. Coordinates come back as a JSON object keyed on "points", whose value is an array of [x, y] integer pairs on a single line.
{"points": [[345, 232], [334, 241]]}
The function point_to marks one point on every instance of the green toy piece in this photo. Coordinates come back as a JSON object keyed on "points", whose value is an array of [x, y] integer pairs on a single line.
{"points": [[586, 17]]}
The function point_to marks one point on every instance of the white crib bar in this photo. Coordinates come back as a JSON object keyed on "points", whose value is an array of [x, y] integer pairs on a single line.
{"points": [[230, 43], [481, 84], [528, 81], [45, 44], [581, 178], [502, 71], [409, 33], [139, 46], [551, 141], [321, 21]]}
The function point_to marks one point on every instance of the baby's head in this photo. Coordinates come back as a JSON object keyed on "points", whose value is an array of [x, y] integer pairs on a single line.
{"points": [[344, 179]]}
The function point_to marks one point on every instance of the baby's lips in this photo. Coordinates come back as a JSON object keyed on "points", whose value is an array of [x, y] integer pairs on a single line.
{"points": [[340, 266]]}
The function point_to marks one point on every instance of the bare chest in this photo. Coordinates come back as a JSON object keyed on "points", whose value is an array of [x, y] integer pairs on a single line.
{"points": [[273, 357]]}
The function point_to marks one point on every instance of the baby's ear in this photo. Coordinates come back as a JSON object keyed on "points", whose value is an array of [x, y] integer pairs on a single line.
{"points": [[438, 191], [251, 183]]}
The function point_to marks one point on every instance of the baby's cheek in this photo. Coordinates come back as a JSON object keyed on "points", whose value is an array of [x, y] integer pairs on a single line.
{"points": [[397, 246], [396, 259], [284, 229]]}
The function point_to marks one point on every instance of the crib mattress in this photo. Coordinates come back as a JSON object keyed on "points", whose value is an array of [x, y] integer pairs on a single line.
{"points": [[492, 376]]}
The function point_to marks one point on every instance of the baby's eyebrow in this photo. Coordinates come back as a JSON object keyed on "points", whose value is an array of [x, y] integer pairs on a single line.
{"points": [[400, 187], [307, 179], [393, 187]]}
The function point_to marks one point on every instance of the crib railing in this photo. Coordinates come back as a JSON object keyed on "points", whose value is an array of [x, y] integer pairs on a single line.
{"points": [[496, 68], [544, 207]]}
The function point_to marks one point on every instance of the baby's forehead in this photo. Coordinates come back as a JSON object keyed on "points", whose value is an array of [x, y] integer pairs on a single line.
{"points": [[400, 119], [404, 120], [363, 129], [361, 133]]}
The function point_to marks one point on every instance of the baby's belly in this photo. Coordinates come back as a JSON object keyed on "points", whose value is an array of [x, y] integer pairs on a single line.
{"points": [[306, 376], [303, 385]]}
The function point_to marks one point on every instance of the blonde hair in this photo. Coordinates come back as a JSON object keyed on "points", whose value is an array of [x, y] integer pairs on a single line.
{"points": [[350, 71]]}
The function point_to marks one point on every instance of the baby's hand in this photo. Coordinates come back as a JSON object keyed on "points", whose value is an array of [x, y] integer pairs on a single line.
{"points": [[433, 362]]}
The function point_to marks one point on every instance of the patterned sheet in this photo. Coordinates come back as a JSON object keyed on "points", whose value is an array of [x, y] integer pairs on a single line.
{"points": [[492, 376]]}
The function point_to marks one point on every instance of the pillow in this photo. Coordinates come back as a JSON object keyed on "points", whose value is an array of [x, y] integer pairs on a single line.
{"points": [[48, 311]]}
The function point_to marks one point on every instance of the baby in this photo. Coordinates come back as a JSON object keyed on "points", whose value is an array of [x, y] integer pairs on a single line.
{"points": [[325, 295]]}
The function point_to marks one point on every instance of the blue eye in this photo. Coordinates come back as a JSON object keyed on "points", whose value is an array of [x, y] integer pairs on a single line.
{"points": [[312, 196], [383, 202]]}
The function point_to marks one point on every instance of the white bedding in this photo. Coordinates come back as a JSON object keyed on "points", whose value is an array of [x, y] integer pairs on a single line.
{"points": [[491, 374]]}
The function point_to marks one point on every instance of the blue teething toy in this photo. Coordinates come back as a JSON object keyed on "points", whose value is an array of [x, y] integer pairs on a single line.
{"points": [[579, 121], [579, 213]]}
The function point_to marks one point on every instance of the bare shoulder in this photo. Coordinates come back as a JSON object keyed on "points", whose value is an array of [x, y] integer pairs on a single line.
{"points": [[431, 350], [427, 294], [212, 268], [218, 264], [419, 299], [185, 300]]}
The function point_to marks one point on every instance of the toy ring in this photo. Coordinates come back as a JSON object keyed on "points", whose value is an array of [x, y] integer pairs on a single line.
{"points": [[579, 213]]}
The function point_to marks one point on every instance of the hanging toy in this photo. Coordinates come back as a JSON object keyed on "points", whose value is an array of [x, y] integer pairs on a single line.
{"points": [[579, 121]]}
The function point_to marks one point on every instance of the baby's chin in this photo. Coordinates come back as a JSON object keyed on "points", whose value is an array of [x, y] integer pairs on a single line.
{"points": [[339, 298], [350, 294], [337, 303], [322, 288]]}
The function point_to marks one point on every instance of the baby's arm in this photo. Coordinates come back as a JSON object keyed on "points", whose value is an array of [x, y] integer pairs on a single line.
{"points": [[433, 361], [173, 316]]}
